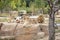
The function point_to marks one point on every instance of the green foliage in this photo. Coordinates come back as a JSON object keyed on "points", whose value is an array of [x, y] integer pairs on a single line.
{"points": [[24, 4], [21, 4], [46, 10], [12, 4]]}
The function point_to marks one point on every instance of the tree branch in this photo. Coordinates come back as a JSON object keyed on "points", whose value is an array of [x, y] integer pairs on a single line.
{"points": [[56, 8], [55, 2]]}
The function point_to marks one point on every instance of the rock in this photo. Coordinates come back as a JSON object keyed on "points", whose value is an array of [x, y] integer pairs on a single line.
{"points": [[8, 26], [44, 28], [31, 29], [7, 29], [21, 32], [27, 33], [40, 35], [25, 37]]}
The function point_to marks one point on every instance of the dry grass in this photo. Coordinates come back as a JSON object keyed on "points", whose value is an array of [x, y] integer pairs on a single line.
{"points": [[3, 20]]}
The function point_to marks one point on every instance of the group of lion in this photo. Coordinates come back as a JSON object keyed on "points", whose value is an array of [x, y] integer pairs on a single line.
{"points": [[27, 19]]}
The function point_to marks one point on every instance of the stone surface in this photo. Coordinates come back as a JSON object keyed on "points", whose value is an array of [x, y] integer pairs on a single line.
{"points": [[40, 35], [26, 37], [21, 32], [44, 28], [24, 32], [27, 33]]}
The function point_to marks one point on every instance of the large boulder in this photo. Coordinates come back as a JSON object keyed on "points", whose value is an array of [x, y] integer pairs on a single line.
{"points": [[7, 29], [24, 32], [27, 33], [20, 31]]}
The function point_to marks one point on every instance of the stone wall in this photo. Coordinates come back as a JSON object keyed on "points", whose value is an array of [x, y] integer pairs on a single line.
{"points": [[26, 32]]}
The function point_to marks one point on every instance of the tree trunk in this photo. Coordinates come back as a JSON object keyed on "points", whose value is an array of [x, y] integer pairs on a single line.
{"points": [[51, 26], [51, 21]]}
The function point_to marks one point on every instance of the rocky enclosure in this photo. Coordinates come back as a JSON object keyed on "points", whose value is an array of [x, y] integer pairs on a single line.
{"points": [[24, 32]]}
